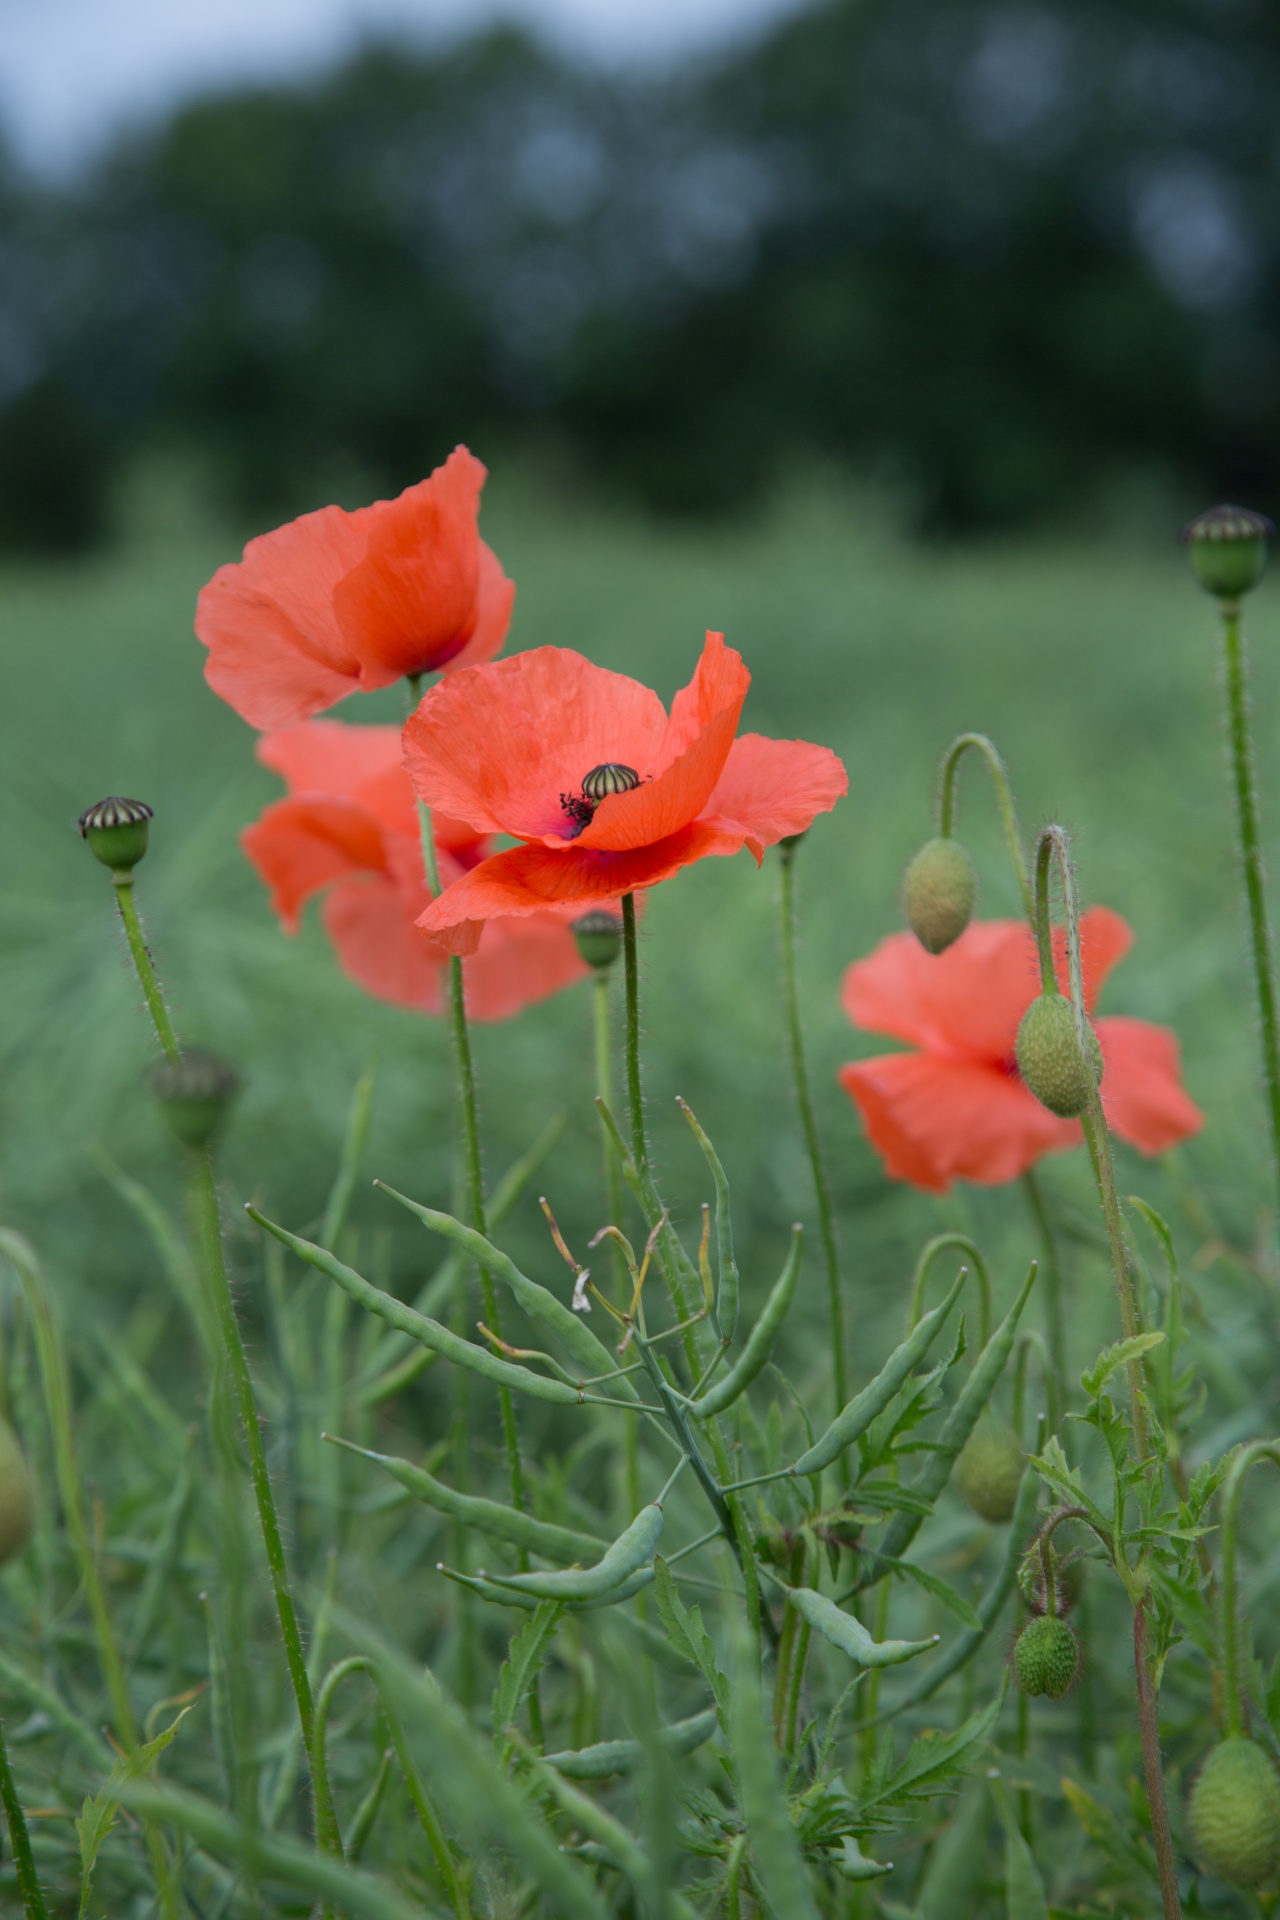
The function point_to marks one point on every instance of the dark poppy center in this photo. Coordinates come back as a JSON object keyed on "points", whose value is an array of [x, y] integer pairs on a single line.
{"points": [[611, 777]]}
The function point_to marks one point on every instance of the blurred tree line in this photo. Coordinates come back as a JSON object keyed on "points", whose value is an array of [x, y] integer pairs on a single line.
{"points": [[1004, 255]]}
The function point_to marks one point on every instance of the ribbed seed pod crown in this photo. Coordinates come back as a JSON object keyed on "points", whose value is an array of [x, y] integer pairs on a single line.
{"points": [[1235, 1813], [1049, 1057], [115, 831], [939, 889], [1228, 547], [599, 937]]}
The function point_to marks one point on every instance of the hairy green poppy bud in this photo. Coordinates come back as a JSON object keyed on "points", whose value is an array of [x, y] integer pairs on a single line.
{"points": [[1228, 548], [1049, 1056], [1046, 1657], [194, 1094], [115, 831], [599, 938], [989, 1469], [938, 892], [16, 1503], [1235, 1813]]}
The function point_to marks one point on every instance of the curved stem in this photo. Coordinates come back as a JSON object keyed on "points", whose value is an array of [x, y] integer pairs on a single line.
{"points": [[979, 743], [1232, 1686], [1244, 782], [142, 965], [804, 1100], [963, 1244]]}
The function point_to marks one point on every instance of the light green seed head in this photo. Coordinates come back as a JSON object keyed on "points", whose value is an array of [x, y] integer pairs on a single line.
{"points": [[1235, 1814]]}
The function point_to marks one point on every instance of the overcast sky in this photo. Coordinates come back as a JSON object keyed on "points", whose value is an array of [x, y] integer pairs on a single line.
{"points": [[73, 70]]}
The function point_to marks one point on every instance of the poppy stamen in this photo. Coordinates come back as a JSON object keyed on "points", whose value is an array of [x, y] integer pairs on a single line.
{"points": [[578, 810]]}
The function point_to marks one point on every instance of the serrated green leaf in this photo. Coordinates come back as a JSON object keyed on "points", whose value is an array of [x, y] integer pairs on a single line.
{"points": [[775, 1851], [685, 1630], [98, 1815], [1113, 1358], [934, 1759], [523, 1663]]}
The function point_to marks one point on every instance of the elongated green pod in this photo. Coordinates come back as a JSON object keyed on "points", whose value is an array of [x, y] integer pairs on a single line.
{"points": [[854, 1419], [428, 1333], [843, 1631], [627, 1554], [727, 1288], [541, 1305], [488, 1516], [957, 1427], [755, 1355], [611, 1757], [503, 1596]]}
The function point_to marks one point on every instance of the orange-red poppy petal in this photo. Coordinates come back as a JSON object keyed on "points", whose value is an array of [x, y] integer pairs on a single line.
{"points": [[1142, 1092], [519, 962], [1104, 941], [934, 1120], [495, 599], [306, 842], [497, 745], [772, 788], [379, 946], [328, 756], [965, 1003], [527, 879]]}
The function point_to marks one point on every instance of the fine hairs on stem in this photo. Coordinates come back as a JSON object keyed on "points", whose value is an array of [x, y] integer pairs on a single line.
{"points": [[948, 802]]}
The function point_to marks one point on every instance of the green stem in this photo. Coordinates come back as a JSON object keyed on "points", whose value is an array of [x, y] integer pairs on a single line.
{"points": [[1052, 1271], [955, 753], [1149, 1722], [800, 1077], [635, 1091], [28, 1884], [1244, 781], [145, 970], [1232, 1686], [202, 1199], [613, 1189], [962, 1244]]}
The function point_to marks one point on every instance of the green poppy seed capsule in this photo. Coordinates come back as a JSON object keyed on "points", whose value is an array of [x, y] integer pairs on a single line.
{"points": [[1046, 1657], [16, 1500], [989, 1470], [1235, 1813], [115, 832], [599, 938], [939, 889], [1228, 547], [1049, 1056], [194, 1094], [612, 777]]}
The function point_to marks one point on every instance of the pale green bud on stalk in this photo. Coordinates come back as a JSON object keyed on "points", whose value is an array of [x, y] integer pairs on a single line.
{"points": [[16, 1500], [1046, 1657], [195, 1093], [939, 890], [990, 1468], [1228, 547], [115, 831], [1049, 1057], [1234, 1813], [599, 938]]}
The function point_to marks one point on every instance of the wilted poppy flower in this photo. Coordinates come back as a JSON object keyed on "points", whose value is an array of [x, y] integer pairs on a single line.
{"points": [[607, 794], [338, 603], [349, 829], [956, 1108]]}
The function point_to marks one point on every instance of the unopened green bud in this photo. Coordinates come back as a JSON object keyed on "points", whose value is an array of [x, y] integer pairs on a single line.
{"points": [[599, 938], [1228, 548], [16, 1501], [1235, 1813], [194, 1094], [1046, 1657], [1049, 1057], [989, 1470], [939, 889], [115, 832]]}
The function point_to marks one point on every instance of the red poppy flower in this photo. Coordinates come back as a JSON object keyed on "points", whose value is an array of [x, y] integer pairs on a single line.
{"points": [[338, 603], [605, 791], [956, 1108], [349, 829]]}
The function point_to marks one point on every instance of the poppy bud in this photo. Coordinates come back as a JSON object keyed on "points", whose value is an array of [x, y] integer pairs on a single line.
{"points": [[1235, 1813], [16, 1503], [1046, 1657], [1049, 1056], [938, 892], [599, 938], [115, 831], [1228, 549], [989, 1470], [194, 1094]]}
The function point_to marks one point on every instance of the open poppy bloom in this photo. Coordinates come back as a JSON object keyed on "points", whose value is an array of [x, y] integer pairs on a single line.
{"points": [[349, 829], [338, 603], [606, 793], [957, 1108]]}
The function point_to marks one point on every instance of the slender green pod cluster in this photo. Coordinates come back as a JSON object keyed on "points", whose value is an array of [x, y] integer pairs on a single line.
{"points": [[754, 1357]]}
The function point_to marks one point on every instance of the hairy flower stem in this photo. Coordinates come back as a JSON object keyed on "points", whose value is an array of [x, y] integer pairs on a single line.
{"points": [[613, 1190], [20, 1841], [1149, 1722], [1052, 1271], [1232, 1685], [804, 1100], [142, 966], [1244, 782], [979, 743]]}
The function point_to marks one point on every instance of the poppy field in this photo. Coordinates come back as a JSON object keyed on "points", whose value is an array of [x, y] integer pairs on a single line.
{"points": [[640, 1191]]}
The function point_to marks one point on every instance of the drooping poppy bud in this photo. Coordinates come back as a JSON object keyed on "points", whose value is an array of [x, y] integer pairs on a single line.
{"points": [[1235, 1813], [194, 1094], [16, 1501], [939, 889], [1228, 547], [1049, 1057], [599, 938], [115, 831], [989, 1470], [1046, 1657]]}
